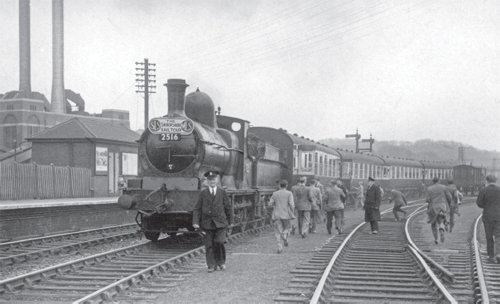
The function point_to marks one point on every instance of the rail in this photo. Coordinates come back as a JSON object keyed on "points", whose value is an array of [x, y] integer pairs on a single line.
{"points": [[318, 292], [450, 277], [418, 255], [319, 289], [479, 266]]}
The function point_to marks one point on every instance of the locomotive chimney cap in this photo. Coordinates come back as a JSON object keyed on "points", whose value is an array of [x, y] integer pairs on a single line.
{"points": [[175, 81]]}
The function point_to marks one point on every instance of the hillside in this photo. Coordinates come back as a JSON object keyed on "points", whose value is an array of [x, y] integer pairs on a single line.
{"points": [[425, 149]]}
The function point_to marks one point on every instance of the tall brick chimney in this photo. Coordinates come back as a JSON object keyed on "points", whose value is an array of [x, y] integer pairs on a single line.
{"points": [[24, 47], [58, 98]]}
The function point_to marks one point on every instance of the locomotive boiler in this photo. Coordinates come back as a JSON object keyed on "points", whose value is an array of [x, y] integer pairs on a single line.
{"points": [[178, 148]]}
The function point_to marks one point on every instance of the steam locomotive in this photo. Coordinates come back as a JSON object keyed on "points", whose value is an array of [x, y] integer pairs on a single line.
{"points": [[178, 148]]}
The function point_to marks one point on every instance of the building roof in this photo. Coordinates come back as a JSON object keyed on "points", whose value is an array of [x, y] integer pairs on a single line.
{"points": [[87, 128]]}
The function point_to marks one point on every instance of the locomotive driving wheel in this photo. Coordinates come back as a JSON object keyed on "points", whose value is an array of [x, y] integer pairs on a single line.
{"points": [[255, 220], [242, 218]]}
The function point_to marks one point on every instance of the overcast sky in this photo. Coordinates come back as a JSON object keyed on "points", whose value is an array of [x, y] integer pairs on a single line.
{"points": [[401, 70]]}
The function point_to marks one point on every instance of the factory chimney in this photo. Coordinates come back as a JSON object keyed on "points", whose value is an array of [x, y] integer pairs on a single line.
{"points": [[58, 98], [24, 47]]}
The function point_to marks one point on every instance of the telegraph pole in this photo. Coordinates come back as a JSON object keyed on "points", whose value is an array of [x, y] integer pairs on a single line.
{"points": [[356, 137], [147, 72]]}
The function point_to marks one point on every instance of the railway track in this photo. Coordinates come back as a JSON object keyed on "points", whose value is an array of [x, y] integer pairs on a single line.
{"points": [[12, 253], [486, 276], [379, 268], [464, 256], [361, 267], [401, 264], [135, 273]]}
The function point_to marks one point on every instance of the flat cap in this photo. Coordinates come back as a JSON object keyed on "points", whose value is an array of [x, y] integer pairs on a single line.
{"points": [[371, 179], [490, 178]]}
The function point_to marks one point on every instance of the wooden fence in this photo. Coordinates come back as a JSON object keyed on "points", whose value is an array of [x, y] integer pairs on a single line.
{"points": [[32, 181]]}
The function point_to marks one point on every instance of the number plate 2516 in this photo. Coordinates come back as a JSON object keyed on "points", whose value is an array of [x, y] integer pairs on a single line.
{"points": [[170, 137]]}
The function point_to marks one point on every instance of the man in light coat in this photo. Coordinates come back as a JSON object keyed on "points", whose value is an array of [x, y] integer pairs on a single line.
{"points": [[303, 203], [372, 205], [438, 199], [359, 196], [456, 196], [334, 207], [399, 201], [282, 201], [315, 205]]}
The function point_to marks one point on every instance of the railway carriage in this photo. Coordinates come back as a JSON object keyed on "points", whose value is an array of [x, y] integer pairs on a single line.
{"points": [[304, 157], [469, 178]]}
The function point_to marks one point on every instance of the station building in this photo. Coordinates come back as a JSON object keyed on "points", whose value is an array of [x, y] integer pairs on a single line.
{"points": [[109, 150]]}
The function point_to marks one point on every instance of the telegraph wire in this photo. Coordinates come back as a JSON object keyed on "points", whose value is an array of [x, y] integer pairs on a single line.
{"points": [[214, 48], [120, 95], [304, 43], [299, 46], [246, 30]]}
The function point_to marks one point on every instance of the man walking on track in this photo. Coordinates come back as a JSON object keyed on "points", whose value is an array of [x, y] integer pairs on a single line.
{"points": [[213, 213], [438, 199], [359, 196], [399, 200], [334, 207], [372, 205], [282, 201], [456, 196], [489, 199], [302, 199], [315, 206], [317, 184]]}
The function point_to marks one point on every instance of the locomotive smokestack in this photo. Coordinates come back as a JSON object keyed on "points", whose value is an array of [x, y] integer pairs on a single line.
{"points": [[58, 97], [176, 91], [24, 46]]}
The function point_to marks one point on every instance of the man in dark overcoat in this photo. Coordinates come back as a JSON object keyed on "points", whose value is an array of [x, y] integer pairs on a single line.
{"points": [[489, 199], [372, 204], [213, 215]]}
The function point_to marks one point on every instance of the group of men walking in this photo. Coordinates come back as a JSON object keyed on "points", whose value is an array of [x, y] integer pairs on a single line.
{"points": [[212, 213], [308, 201], [305, 204], [445, 200]]}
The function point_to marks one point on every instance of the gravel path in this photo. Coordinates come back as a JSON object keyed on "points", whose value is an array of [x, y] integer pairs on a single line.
{"points": [[255, 272]]}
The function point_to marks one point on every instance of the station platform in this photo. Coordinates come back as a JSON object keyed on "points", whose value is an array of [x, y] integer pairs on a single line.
{"points": [[28, 218], [59, 202]]}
